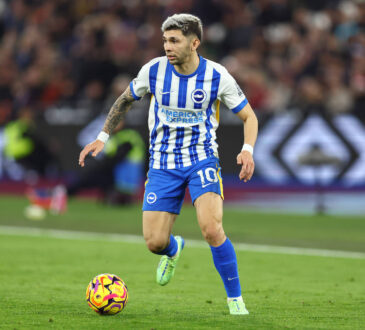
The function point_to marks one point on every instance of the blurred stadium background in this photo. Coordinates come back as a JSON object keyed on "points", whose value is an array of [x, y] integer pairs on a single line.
{"points": [[301, 65]]}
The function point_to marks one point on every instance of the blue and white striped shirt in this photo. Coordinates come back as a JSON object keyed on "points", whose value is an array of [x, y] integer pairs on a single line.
{"points": [[184, 110]]}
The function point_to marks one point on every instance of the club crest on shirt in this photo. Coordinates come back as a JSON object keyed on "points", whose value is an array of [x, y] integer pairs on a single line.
{"points": [[151, 198], [198, 95]]}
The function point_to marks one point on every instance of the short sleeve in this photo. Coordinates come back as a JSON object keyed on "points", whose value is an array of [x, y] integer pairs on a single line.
{"points": [[140, 85], [231, 94]]}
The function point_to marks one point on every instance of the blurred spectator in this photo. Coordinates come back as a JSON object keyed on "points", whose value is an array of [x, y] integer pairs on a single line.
{"points": [[117, 175], [309, 95], [23, 145], [338, 98]]}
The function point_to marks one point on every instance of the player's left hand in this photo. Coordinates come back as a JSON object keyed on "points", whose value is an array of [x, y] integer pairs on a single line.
{"points": [[245, 159]]}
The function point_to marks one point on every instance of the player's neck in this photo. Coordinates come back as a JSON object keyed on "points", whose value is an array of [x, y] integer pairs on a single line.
{"points": [[189, 66]]}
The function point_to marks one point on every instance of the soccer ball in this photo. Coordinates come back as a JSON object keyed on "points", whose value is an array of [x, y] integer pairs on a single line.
{"points": [[107, 294]]}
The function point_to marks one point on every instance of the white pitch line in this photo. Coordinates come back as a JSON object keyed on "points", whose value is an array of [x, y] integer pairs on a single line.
{"points": [[79, 235]]}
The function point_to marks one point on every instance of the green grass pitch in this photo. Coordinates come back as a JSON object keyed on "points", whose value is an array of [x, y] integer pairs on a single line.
{"points": [[43, 279]]}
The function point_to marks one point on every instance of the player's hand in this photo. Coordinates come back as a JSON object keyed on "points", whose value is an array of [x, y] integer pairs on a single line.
{"points": [[245, 159], [94, 147]]}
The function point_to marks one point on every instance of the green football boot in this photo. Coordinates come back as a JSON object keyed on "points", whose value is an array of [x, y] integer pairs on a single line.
{"points": [[167, 265], [237, 306]]}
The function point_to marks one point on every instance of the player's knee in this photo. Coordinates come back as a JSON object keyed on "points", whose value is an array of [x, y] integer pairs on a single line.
{"points": [[213, 234], [155, 244]]}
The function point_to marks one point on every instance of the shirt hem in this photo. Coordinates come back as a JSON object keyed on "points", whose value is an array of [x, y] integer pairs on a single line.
{"points": [[135, 96], [239, 107]]}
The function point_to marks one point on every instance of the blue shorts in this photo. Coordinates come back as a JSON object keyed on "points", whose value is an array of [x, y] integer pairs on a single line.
{"points": [[165, 189]]}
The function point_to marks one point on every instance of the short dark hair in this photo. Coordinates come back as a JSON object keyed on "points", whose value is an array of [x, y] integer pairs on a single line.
{"points": [[188, 24]]}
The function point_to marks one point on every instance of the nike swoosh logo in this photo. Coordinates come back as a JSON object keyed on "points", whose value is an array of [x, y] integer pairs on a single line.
{"points": [[232, 278], [168, 92], [208, 184]]}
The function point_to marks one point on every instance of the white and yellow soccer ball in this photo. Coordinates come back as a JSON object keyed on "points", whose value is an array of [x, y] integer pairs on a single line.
{"points": [[107, 294]]}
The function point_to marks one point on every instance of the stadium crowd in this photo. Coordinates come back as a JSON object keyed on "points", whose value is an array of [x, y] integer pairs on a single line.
{"points": [[284, 54]]}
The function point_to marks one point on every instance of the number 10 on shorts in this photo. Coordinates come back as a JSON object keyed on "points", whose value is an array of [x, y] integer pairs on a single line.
{"points": [[208, 176]]}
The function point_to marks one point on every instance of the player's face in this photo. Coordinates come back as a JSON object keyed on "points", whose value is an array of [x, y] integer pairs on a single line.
{"points": [[178, 48]]}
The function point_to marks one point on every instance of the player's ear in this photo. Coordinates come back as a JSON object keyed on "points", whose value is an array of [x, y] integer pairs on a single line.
{"points": [[195, 44]]}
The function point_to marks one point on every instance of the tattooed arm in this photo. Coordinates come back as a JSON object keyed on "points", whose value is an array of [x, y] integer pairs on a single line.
{"points": [[115, 116], [118, 111]]}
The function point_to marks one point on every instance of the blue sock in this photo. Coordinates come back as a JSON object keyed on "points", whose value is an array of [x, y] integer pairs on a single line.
{"points": [[225, 262], [171, 249]]}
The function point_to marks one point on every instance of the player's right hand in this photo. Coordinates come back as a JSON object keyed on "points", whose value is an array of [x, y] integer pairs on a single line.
{"points": [[94, 147]]}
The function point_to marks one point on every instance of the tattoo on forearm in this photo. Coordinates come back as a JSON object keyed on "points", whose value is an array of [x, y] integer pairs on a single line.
{"points": [[118, 111]]}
